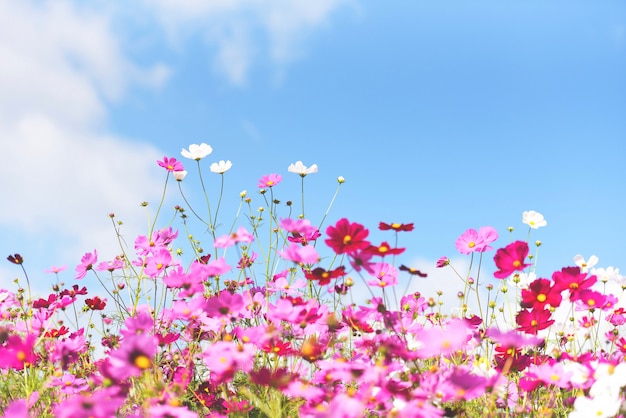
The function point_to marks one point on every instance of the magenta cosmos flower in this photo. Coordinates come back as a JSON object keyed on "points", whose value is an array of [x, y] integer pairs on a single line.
{"points": [[269, 180], [510, 259], [171, 164], [476, 241]]}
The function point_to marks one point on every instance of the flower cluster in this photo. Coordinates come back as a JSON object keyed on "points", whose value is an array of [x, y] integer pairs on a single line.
{"points": [[264, 324]]}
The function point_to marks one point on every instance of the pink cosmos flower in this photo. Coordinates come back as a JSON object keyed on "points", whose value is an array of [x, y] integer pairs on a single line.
{"points": [[55, 269], [224, 358], [476, 241], [269, 180], [442, 262], [116, 264], [216, 267], [160, 239], [141, 323], [301, 230], [157, 263], [70, 384], [17, 409], [17, 352], [167, 411], [281, 284], [225, 304], [386, 275], [86, 263], [590, 300], [443, 341], [189, 284], [552, 373], [242, 235], [97, 404], [171, 164], [510, 259], [300, 254], [134, 355]]}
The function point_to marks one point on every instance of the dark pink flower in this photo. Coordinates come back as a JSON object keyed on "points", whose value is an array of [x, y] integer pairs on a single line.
{"points": [[171, 164], [534, 320], [573, 280], [541, 293], [17, 352], [347, 237], [95, 303], [135, 354], [442, 262], [510, 259]]}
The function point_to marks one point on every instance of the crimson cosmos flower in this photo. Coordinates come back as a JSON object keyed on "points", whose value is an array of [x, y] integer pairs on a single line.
{"points": [[395, 226], [347, 237], [324, 277]]}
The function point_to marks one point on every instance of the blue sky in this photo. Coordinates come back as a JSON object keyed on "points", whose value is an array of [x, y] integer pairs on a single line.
{"points": [[447, 114]]}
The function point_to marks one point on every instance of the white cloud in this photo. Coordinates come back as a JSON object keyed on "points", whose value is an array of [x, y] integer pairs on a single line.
{"points": [[245, 30], [62, 65]]}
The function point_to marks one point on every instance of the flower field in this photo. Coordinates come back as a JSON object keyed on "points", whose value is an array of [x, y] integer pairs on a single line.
{"points": [[259, 321]]}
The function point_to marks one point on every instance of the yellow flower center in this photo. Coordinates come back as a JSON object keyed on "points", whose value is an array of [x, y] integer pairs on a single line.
{"points": [[471, 244], [270, 183], [142, 362], [347, 239], [541, 297], [396, 225], [517, 263]]}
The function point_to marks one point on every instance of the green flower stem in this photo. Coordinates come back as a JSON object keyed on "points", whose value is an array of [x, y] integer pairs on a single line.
{"points": [[206, 198]]}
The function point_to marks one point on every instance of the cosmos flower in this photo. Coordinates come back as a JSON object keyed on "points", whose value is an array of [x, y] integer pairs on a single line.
{"points": [[476, 241], [197, 152], [87, 263], [347, 237], [221, 167], [395, 226], [533, 219], [301, 169], [269, 180], [171, 164], [510, 259]]}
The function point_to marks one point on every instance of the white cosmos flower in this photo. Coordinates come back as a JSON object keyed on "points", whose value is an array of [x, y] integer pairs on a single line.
{"points": [[533, 219], [301, 169], [585, 265], [609, 274], [180, 175], [221, 167], [603, 406], [197, 152]]}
